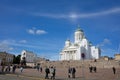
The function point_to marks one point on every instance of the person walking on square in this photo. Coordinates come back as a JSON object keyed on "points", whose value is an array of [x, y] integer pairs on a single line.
{"points": [[14, 68], [21, 69], [47, 71], [38, 67], [114, 70], [95, 69], [11, 67], [69, 72], [90, 68], [52, 72], [41, 69], [73, 71]]}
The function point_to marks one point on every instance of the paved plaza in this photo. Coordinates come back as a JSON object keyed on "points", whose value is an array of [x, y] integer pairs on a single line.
{"points": [[61, 74]]}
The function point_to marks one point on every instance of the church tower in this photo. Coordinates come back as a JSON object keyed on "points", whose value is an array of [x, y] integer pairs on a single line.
{"points": [[79, 35]]}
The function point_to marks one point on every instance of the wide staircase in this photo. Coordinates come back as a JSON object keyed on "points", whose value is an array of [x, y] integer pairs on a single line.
{"points": [[85, 63]]}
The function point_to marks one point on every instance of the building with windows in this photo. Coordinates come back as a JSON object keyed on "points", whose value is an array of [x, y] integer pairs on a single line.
{"points": [[80, 49], [117, 56], [29, 57], [6, 58]]}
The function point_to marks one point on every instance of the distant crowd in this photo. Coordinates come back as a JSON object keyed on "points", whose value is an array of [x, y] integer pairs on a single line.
{"points": [[8, 68]]}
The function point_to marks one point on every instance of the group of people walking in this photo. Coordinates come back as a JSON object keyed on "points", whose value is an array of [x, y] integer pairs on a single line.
{"points": [[51, 70], [92, 69], [71, 72], [8, 68]]}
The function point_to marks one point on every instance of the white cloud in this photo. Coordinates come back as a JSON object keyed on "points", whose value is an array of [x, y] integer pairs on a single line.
{"points": [[31, 31], [106, 12], [7, 45], [36, 31], [79, 15], [10, 45], [105, 50], [4, 45], [40, 32], [7, 41], [23, 41], [105, 41], [108, 52]]}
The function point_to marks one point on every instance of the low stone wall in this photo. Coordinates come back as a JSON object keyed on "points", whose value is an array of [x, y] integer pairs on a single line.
{"points": [[85, 63]]}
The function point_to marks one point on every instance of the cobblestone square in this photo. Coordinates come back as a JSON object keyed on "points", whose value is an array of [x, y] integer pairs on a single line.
{"points": [[61, 74]]}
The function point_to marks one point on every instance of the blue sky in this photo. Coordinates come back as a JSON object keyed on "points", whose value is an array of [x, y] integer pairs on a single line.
{"points": [[42, 26]]}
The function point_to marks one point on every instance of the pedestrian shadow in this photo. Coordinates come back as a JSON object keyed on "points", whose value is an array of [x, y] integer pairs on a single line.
{"points": [[77, 78], [2, 73]]}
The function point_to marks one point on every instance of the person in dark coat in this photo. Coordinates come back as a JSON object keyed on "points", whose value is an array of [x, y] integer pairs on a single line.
{"points": [[38, 68], [41, 69], [114, 70], [69, 72], [47, 71], [90, 68], [54, 72], [73, 71], [95, 69], [14, 68]]}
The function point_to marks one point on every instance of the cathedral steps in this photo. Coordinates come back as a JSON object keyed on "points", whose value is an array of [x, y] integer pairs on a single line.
{"points": [[85, 63]]}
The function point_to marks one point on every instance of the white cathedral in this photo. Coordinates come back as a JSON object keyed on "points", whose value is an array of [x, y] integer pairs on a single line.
{"points": [[80, 49]]}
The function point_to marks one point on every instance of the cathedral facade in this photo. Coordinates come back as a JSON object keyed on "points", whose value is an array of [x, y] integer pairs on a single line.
{"points": [[80, 49]]}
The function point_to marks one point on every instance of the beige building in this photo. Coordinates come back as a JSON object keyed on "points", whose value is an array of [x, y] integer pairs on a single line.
{"points": [[6, 58], [117, 56], [106, 58]]}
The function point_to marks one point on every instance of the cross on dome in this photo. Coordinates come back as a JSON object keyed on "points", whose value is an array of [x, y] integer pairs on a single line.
{"points": [[79, 29]]}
